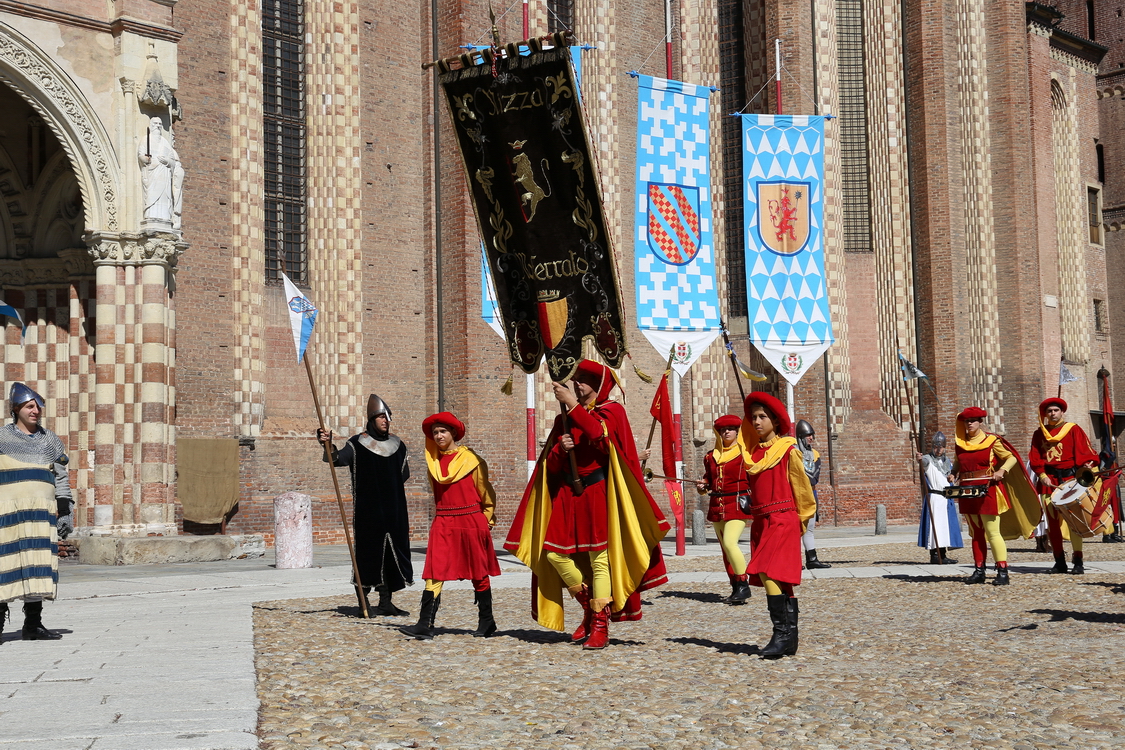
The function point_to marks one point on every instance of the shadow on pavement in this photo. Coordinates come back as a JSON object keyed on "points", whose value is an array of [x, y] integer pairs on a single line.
{"points": [[925, 579], [697, 596], [745, 649], [1118, 588], [1061, 615], [535, 636]]}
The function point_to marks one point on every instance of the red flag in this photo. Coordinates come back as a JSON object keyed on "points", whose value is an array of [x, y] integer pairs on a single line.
{"points": [[1114, 493], [661, 411], [675, 492]]}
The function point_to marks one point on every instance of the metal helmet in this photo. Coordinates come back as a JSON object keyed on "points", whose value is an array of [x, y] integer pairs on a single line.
{"points": [[19, 395], [377, 406], [803, 429], [938, 440]]}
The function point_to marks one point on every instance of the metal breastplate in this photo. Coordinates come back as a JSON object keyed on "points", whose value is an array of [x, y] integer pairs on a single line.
{"points": [[385, 448]]}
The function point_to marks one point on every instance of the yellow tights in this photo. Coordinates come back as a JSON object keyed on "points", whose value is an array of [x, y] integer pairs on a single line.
{"points": [[572, 576], [988, 527], [730, 532]]}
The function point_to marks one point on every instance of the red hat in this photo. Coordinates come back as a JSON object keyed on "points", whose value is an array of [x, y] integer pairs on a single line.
{"points": [[972, 412], [728, 420], [455, 425], [1050, 402], [601, 376], [782, 424]]}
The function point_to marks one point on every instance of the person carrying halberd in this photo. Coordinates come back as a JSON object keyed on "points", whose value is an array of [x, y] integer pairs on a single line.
{"points": [[1058, 449], [724, 480], [1007, 506], [781, 503], [939, 529], [460, 545], [377, 460], [34, 485], [586, 521], [810, 456]]}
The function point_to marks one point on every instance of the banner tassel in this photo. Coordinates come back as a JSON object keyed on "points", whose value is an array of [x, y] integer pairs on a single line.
{"points": [[506, 389], [642, 375]]}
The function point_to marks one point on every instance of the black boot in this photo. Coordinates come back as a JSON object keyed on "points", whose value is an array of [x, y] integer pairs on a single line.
{"points": [[386, 606], [741, 591], [946, 559], [792, 610], [729, 599], [779, 616], [938, 556], [486, 625], [33, 629], [1060, 563], [1001, 578], [977, 576], [1078, 568], [1113, 538], [3, 616], [812, 563], [424, 630]]}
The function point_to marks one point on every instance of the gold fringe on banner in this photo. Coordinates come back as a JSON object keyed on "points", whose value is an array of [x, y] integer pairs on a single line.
{"points": [[486, 56]]}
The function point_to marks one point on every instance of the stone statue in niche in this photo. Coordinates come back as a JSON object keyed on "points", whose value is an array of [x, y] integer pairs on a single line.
{"points": [[162, 179]]}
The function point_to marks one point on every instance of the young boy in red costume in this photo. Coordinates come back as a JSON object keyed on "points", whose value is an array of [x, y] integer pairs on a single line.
{"points": [[781, 503], [460, 545], [1007, 509], [586, 521], [724, 479], [1058, 449]]}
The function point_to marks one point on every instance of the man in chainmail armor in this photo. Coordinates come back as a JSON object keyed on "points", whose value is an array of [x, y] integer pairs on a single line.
{"points": [[377, 460], [34, 492], [944, 532]]}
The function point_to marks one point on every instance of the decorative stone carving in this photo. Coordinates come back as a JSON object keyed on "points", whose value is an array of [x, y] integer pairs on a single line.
{"points": [[148, 248], [162, 178], [45, 271], [38, 79]]}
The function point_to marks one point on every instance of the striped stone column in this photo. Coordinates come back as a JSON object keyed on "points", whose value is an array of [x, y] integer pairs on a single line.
{"points": [[134, 392]]}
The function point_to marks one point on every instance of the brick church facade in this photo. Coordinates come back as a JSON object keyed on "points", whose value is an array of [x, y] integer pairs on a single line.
{"points": [[973, 216]]}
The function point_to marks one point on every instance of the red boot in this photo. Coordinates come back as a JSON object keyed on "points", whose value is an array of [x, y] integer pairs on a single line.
{"points": [[599, 629], [582, 596]]}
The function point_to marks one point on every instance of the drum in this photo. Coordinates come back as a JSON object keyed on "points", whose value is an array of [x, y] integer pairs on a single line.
{"points": [[1077, 504]]}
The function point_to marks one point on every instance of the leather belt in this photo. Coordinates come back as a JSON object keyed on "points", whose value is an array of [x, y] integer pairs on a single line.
{"points": [[1058, 474], [593, 478], [978, 474]]}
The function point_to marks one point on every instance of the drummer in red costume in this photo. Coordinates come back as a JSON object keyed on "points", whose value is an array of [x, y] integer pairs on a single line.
{"points": [[1058, 448], [781, 503], [460, 546], [1007, 510], [724, 479], [586, 521]]}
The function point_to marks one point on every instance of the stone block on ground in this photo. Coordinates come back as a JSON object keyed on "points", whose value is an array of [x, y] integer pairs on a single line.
{"points": [[109, 550]]}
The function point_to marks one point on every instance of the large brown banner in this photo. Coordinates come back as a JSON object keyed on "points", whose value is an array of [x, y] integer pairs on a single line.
{"points": [[535, 192]]}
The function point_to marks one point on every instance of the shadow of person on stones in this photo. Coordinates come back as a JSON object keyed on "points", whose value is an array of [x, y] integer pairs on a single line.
{"points": [[1117, 588], [535, 636], [696, 596], [883, 563], [744, 649], [1062, 615], [925, 579]]}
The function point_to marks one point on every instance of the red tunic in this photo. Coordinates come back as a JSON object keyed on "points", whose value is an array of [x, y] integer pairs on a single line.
{"points": [[1059, 459], [727, 482], [775, 533], [579, 523], [460, 545], [977, 465]]}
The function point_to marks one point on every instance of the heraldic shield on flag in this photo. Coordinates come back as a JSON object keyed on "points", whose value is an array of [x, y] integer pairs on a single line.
{"points": [[783, 216], [783, 205], [673, 222], [673, 237]]}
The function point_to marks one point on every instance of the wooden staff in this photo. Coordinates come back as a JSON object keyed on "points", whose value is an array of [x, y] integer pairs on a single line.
{"points": [[339, 498], [652, 427], [925, 487]]}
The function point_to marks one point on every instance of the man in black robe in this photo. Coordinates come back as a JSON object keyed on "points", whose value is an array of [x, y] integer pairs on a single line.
{"points": [[377, 460]]}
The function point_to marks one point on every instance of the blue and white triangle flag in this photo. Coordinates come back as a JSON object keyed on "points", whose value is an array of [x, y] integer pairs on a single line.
{"points": [[302, 316], [1065, 375], [11, 312]]}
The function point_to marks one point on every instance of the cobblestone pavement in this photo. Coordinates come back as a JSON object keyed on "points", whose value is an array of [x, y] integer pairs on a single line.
{"points": [[897, 661]]}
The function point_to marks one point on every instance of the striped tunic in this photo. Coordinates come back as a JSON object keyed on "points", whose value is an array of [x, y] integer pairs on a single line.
{"points": [[29, 561]]}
